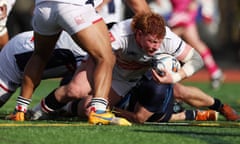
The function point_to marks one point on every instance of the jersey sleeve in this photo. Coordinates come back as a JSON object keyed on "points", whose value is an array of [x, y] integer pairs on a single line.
{"points": [[173, 43]]}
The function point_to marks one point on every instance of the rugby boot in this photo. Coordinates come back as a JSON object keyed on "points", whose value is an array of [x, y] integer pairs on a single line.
{"points": [[37, 113], [107, 118], [217, 80], [16, 116], [229, 113]]}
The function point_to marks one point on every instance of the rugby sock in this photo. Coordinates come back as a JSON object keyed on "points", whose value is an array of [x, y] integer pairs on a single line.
{"points": [[99, 105], [72, 107], [22, 104], [50, 103], [210, 63], [190, 114], [217, 105]]}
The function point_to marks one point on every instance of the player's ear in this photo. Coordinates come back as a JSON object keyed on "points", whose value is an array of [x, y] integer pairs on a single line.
{"points": [[138, 34]]}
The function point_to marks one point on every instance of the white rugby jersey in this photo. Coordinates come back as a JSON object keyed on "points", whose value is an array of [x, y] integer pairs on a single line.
{"points": [[18, 50], [131, 61], [78, 2], [112, 11]]}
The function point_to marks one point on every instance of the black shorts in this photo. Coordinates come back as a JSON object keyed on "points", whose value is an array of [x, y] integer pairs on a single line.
{"points": [[156, 98]]}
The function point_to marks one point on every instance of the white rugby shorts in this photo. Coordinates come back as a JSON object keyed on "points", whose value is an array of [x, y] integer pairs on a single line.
{"points": [[52, 17]]}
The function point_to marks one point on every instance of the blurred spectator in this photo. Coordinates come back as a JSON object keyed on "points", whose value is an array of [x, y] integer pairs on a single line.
{"points": [[162, 7], [111, 11], [183, 23]]}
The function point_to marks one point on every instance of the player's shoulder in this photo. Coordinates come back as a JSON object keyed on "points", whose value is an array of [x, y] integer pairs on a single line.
{"points": [[122, 28], [169, 33], [171, 37]]}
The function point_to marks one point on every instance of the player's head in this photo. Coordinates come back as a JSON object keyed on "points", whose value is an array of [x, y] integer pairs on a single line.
{"points": [[149, 29], [149, 23]]}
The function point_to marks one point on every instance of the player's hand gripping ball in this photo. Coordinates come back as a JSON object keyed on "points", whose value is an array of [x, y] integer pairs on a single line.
{"points": [[167, 62]]}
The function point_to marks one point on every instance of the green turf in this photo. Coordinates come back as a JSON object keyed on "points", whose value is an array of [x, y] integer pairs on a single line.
{"points": [[72, 132]]}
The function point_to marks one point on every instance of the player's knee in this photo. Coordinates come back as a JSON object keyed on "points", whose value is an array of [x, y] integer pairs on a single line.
{"points": [[108, 59], [76, 92]]}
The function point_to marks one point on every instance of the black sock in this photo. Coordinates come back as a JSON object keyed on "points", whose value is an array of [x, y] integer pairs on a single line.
{"points": [[74, 107], [190, 114], [51, 103], [217, 105]]}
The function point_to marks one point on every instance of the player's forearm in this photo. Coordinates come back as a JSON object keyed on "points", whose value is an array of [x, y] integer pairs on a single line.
{"points": [[130, 116], [193, 63]]}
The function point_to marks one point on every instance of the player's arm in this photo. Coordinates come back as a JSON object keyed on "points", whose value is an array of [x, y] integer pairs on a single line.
{"points": [[192, 62], [126, 114], [140, 114], [138, 6]]}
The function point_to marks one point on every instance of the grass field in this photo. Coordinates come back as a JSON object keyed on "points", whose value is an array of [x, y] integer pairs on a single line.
{"points": [[75, 132]]}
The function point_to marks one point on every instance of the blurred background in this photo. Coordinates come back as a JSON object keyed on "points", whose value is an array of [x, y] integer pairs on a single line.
{"points": [[222, 35]]}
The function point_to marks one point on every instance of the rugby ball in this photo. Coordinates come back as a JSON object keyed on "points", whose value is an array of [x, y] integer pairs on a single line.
{"points": [[167, 62]]}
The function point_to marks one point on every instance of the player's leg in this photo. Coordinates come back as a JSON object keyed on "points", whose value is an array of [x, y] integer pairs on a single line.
{"points": [[198, 115], [80, 106], [192, 37], [192, 95], [115, 95], [33, 71], [90, 32], [46, 33], [75, 88], [95, 39], [197, 98]]}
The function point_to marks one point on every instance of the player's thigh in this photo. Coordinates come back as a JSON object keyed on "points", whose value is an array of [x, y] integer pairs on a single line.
{"points": [[52, 17], [95, 40], [87, 28], [44, 45], [44, 20], [46, 30]]}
